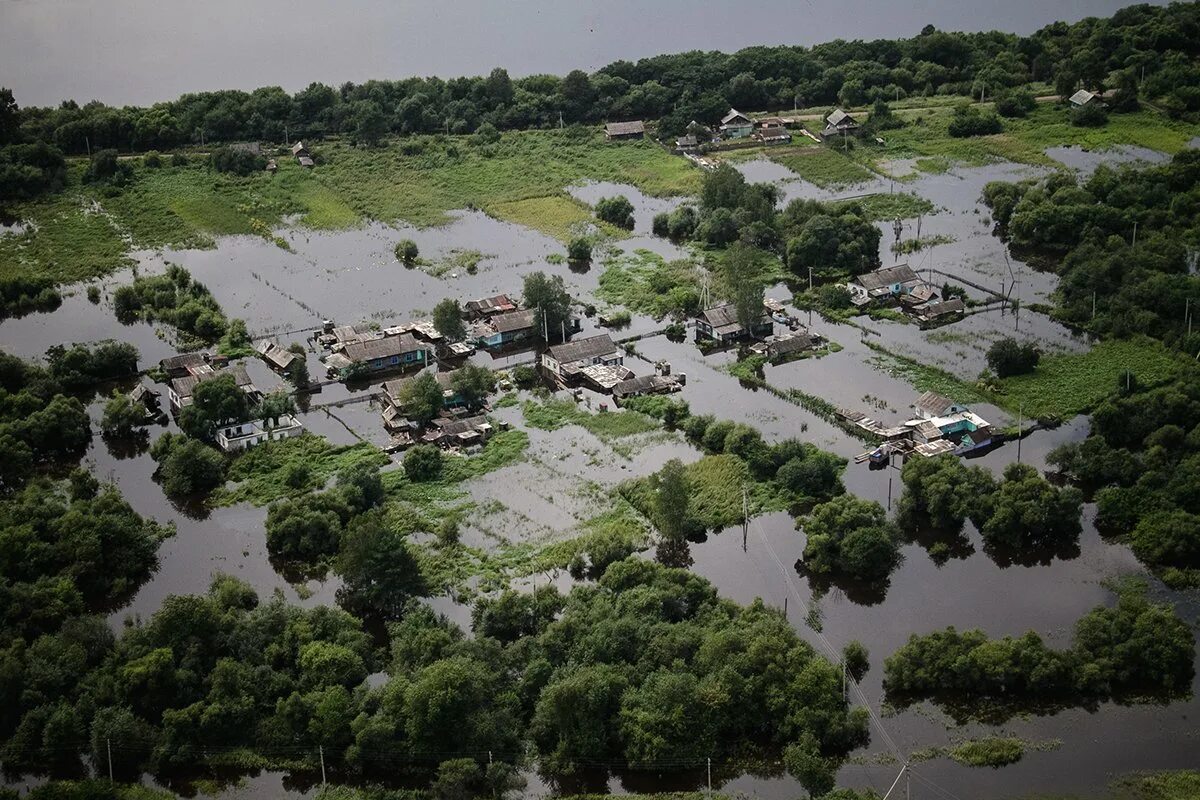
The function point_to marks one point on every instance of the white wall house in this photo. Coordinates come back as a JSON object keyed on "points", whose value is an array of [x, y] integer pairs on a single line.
{"points": [[244, 435]]}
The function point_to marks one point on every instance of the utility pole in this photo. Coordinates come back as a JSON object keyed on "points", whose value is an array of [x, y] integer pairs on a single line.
{"points": [[545, 331], [87, 141], [810, 278], [1020, 424], [1134, 245], [1093, 306], [710, 774], [108, 747], [745, 517], [844, 695], [321, 751], [889, 508]]}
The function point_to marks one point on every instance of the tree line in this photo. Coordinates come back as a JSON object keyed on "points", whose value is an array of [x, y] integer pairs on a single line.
{"points": [[674, 88]]}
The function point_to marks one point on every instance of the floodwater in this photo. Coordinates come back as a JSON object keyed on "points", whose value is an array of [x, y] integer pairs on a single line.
{"points": [[568, 475], [1085, 161], [140, 51]]}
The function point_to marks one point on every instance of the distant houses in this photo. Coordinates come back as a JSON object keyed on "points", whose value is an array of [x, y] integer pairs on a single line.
{"points": [[720, 324], [839, 123], [616, 131]]}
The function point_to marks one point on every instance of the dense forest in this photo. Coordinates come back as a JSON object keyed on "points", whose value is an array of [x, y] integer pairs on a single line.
{"points": [[1162, 41], [1125, 243]]}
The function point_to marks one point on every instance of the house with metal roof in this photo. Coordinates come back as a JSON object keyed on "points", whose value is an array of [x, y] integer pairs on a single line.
{"points": [[614, 131], [883, 284], [180, 365], [943, 311], [932, 404], [720, 323], [458, 432]]}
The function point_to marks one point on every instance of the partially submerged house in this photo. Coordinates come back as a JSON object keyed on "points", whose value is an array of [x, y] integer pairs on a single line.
{"points": [[486, 307], [720, 323], [393, 390], [839, 123], [147, 399], [736, 125], [779, 348], [280, 358], [646, 384], [386, 353], [503, 329], [614, 131], [244, 435], [458, 432], [595, 359], [882, 284], [941, 311], [180, 390], [932, 404]]}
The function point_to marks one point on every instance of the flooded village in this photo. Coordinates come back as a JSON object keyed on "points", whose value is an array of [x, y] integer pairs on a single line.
{"points": [[550, 391]]}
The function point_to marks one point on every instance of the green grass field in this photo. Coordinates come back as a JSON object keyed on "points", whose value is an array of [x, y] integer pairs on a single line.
{"points": [[84, 232], [925, 137], [823, 166]]}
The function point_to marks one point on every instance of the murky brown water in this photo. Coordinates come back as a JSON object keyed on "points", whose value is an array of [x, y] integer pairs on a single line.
{"points": [[352, 276]]}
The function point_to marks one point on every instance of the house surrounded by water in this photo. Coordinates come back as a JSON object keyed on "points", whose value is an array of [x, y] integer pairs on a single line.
{"points": [[720, 324]]}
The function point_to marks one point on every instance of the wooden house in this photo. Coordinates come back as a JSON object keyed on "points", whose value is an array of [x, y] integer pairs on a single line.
{"points": [[567, 362], [503, 329], [486, 307], [280, 358], [180, 390], [458, 432], [1083, 98]]}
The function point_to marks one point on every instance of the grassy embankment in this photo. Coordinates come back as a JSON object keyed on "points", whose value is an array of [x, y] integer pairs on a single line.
{"points": [[82, 233], [267, 473], [1062, 386]]}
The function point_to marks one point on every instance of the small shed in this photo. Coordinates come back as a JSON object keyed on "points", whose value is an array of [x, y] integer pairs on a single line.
{"points": [[839, 122], [614, 131]]}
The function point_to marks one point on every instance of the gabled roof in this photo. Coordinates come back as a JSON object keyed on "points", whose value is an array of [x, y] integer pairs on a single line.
{"points": [[792, 344], [625, 128], [582, 349], [952, 306], [181, 361], [299, 148], [839, 117], [514, 320], [453, 427], [734, 114], [185, 386], [279, 356], [499, 303], [934, 404], [1082, 97], [382, 348], [886, 277]]}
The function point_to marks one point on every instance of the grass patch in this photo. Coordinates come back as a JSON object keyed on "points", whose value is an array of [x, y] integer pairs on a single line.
{"points": [[903, 205], [647, 283], [260, 475], [994, 751], [1074, 383], [607, 426], [823, 166], [716, 500], [558, 216], [1181, 785], [65, 240], [1061, 387]]}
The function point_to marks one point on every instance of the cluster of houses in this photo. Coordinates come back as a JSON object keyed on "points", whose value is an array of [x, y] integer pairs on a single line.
{"points": [[456, 427], [719, 326], [900, 286], [186, 371], [938, 426]]}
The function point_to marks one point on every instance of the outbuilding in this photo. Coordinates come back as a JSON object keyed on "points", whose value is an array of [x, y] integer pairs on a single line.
{"points": [[614, 131]]}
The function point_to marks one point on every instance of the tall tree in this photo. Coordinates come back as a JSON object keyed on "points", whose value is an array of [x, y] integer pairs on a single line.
{"points": [[548, 295], [447, 318]]}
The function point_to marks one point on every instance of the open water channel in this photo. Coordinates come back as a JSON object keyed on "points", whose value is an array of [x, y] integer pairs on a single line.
{"points": [[352, 276]]}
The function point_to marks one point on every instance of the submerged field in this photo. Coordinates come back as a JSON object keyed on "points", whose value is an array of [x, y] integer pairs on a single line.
{"points": [[85, 233]]}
